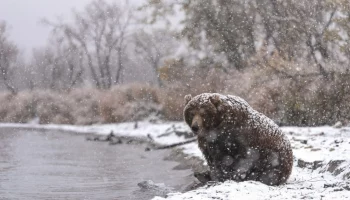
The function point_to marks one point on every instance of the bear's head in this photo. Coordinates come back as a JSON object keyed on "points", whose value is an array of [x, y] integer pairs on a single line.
{"points": [[203, 112]]}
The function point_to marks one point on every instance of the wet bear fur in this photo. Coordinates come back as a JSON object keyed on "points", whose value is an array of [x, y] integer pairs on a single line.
{"points": [[237, 142]]}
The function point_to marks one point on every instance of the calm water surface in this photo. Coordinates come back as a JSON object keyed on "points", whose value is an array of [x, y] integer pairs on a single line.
{"points": [[55, 165]]}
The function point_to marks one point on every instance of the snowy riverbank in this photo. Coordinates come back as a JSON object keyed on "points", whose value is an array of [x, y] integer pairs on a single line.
{"points": [[321, 171]]}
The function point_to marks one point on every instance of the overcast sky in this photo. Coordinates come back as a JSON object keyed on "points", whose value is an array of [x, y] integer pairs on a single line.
{"points": [[23, 16]]}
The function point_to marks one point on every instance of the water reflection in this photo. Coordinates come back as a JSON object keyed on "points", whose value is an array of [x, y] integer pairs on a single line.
{"points": [[55, 165]]}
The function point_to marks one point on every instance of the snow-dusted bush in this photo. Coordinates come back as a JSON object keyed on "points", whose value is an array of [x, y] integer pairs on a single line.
{"points": [[293, 100], [16, 108], [292, 93], [289, 92], [82, 106], [130, 103], [85, 104], [52, 108]]}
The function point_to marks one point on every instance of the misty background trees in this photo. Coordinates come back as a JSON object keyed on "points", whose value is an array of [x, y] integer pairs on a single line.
{"points": [[8, 59], [289, 59]]}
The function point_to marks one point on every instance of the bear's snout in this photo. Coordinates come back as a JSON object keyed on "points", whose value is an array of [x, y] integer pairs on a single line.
{"points": [[197, 124], [195, 127]]}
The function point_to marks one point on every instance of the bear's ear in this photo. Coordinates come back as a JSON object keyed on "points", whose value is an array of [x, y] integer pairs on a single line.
{"points": [[215, 99], [188, 98]]}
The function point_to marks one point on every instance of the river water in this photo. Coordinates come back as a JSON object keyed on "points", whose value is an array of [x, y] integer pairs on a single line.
{"points": [[55, 165]]}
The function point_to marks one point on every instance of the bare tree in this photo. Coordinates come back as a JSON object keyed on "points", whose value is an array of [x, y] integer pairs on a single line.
{"points": [[57, 66], [153, 48], [8, 58], [99, 32]]}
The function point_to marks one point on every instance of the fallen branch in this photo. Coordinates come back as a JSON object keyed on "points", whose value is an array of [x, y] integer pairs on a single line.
{"points": [[172, 145]]}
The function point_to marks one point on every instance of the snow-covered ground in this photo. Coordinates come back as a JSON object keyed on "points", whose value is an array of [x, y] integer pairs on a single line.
{"points": [[321, 168]]}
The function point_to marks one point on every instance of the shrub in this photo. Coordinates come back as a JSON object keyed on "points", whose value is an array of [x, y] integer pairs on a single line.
{"points": [[280, 93], [130, 103], [292, 93]]}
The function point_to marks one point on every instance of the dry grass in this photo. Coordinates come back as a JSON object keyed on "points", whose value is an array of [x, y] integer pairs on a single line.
{"points": [[81, 106], [290, 95], [289, 101], [129, 103]]}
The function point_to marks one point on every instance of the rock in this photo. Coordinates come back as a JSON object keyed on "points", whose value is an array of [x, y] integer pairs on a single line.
{"points": [[194, 185], [330, 185], [90, 138], [203, 177], [181, 166], [302, 141], [338, 124], [317, 164], [338, 141], [338, 186], [157, 188], [347, 176], [315, 149], [131, 141], [97, 138], [110, 136], [150, 137], [115, 141], [148, 149], [102, 138], [333, 167], [320, 134], [347, 187], [310, 165]]}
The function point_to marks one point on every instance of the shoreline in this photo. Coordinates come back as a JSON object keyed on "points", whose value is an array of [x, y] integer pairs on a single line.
{"points": [[176, 154], [321, 160]]}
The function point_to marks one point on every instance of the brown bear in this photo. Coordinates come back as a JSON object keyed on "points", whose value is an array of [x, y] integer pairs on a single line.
{"points": [[238, 142]]}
